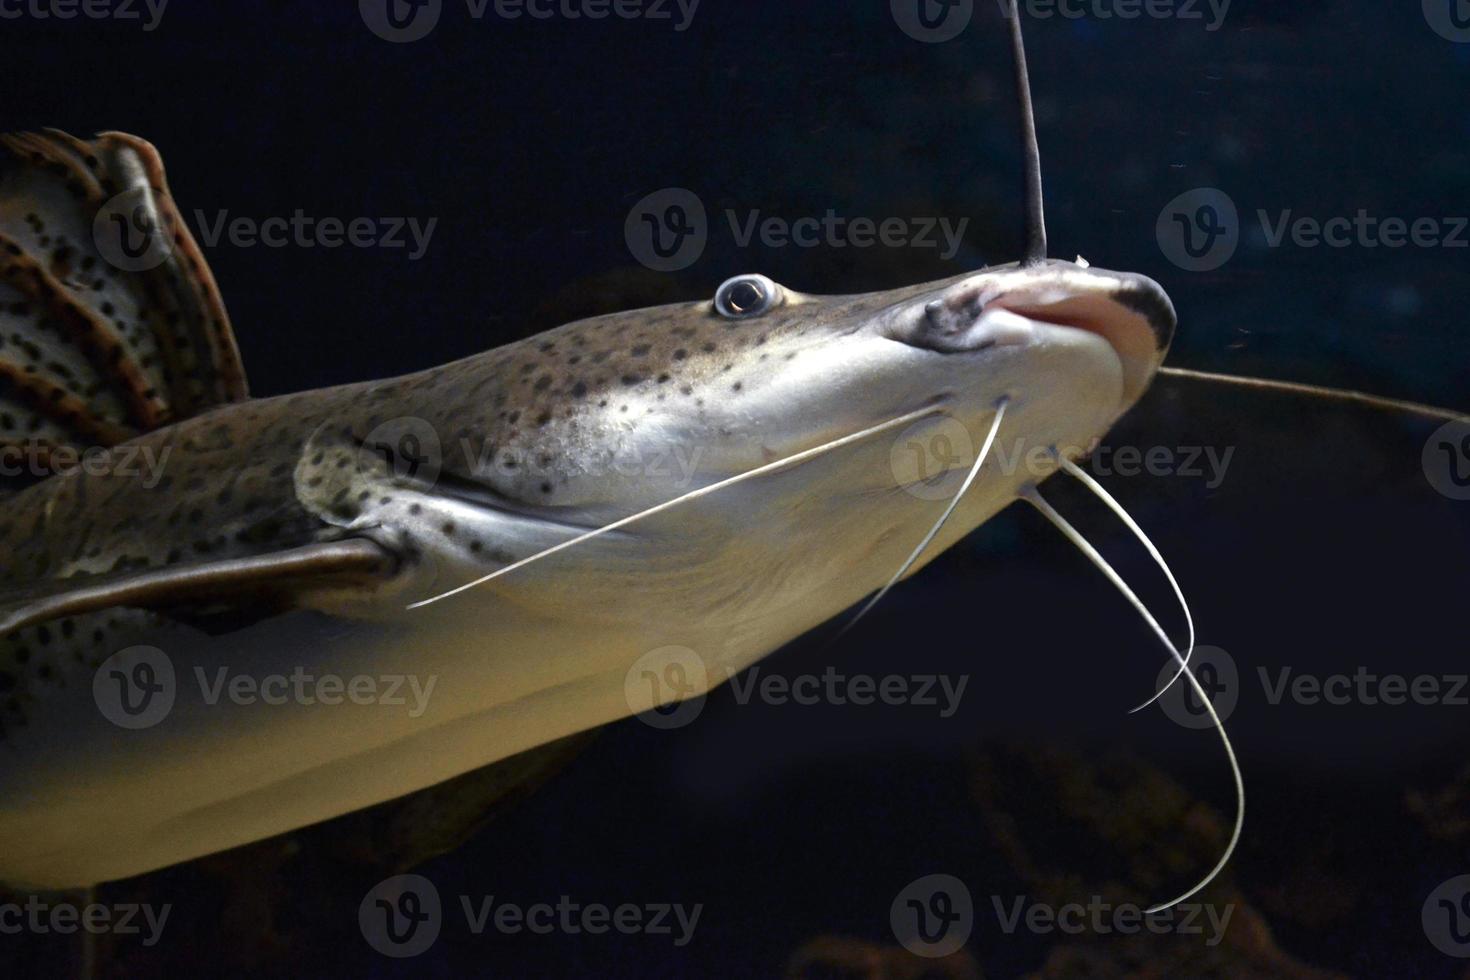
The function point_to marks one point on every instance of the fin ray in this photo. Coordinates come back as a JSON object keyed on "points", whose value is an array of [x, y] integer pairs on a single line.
{"points": [[101, 348], [255, 578]]}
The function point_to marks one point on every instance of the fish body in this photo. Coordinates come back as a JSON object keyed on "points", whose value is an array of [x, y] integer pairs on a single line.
{"points": [[274, 545]]}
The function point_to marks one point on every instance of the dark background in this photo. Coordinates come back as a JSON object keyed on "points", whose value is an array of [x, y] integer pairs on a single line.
{"points": [[1324, 549]]}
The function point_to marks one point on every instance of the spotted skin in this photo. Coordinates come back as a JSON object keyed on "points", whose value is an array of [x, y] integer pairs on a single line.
{"points": [[438, 478], [93, 352], [248, 479]]}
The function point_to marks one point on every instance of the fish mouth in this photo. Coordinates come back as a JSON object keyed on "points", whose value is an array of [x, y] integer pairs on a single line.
{"points": [[1024, 305]]}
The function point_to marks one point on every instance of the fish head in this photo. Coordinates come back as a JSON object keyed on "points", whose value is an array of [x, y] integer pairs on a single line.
{"points": [[760, 371], [703, 401]]}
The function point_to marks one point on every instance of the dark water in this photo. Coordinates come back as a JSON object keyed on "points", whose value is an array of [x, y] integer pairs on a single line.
{"points": [[1323, 549]]}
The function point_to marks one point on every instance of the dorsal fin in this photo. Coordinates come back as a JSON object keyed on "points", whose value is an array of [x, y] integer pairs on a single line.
{"points": [[110, 322]]}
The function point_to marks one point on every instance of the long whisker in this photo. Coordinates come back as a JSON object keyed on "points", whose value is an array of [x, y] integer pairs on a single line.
{"points": [[704, 491], [954, 502], [1030, 148], [1072, 534], [1317, 391], [1086, 478]]}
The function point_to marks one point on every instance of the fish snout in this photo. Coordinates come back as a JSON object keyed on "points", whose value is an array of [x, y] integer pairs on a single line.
{"points": [[1025, 305]]}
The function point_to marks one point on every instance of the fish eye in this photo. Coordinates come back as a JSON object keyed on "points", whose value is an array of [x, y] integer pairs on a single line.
{"points": [[746, 296]]}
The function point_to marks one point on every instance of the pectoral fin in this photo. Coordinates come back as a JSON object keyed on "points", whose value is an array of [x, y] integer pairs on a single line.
{"points": [[279, 579]]}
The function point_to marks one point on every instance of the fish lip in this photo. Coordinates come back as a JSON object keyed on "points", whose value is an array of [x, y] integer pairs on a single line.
{"points": [[1134, 292]]}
